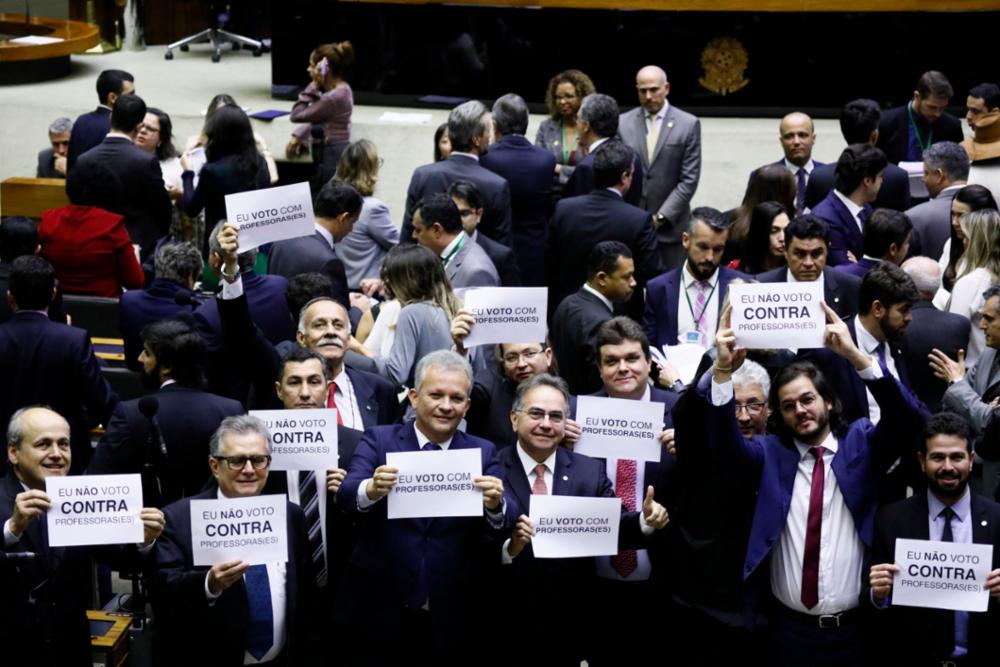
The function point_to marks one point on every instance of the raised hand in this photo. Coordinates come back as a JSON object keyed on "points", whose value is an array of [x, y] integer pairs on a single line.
{"points": [[654, 513]]}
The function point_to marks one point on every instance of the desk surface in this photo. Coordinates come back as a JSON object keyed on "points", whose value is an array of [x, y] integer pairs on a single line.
{"points": [[76, 37]]}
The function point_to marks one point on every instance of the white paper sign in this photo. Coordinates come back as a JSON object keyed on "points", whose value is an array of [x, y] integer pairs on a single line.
{"points": [[252, 529], [301, 439], [778, 315], [506, 314], [435, 484], [94, 509], [617, 428], [942, 575], [271, 214], [570, 526]]}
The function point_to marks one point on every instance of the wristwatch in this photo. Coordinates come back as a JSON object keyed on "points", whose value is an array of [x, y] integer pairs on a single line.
{"points": [[659, 219]]}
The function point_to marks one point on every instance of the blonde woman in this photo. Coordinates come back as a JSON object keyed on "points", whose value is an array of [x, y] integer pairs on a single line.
{"points": [[981, 268]]}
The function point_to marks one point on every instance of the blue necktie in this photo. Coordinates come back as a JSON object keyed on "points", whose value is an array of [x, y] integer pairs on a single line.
{"points": [[260, 628], [420, 593], [800, 190], [880, 351]]}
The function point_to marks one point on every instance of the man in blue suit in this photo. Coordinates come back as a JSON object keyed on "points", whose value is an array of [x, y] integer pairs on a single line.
{"points": [[816, 480], [411, 587], [89, 128], [528, 169], [886, 239], [597, 124], [905, 132], [798, 135]]}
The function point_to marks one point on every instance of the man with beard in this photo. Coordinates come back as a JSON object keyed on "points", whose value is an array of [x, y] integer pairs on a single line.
{"points": [[949, 512], [683, 305], [169, 429]]}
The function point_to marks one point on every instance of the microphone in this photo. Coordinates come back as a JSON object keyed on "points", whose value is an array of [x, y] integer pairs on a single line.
{"points": [[149, 406]]}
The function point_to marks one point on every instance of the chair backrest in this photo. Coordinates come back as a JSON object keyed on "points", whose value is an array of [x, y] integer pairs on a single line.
{"points": [[96, 314], [30, 196]]}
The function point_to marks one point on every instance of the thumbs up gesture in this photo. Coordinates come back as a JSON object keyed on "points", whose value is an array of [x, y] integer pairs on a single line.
{"points": [[654, 513]]}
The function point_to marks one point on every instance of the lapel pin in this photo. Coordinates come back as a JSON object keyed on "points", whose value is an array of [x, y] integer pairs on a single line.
{"points": [[983, 523], [566, 479], [670, 124]]}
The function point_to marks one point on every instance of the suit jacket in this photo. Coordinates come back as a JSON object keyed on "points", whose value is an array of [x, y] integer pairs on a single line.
{"points": [[894, 132], [672, 172], [581, 181], [144, 203], [894, 193], [438, 176], [503, 260], [308, 254], [187, 418], [470, 266], [931, 224], [663, 302], [57, 311], [970, 397], [779, 163], [528, 169], [860, 267], [265, 296], [574, 340], [184, 616], [46, 165], [89, 129], [137, 308], [489, 413], [45, 363], [840, 289], [580, 223], [932, 629], [845, 235], [216, 180], [929, 329]]}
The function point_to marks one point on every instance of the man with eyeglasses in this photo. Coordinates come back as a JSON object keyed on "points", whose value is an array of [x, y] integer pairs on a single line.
{"points": [[470, 209], [537, 465], [232, 613]]}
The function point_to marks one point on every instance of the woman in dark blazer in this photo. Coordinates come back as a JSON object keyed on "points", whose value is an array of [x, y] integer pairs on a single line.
{"points": [[557, 133]]}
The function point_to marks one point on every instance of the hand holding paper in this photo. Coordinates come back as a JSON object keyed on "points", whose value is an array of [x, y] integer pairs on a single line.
{"points": [[880, 579], [382, 482], [492, 488], [334, 478], [229, 245], [224, 575], [838, 339], [461, 327], [571, 433], [524, 530], [993, 583], [153, 523], [654, 513], [667, 440], [28, 506]]}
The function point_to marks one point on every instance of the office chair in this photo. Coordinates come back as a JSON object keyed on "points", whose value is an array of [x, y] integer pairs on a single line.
{"points": [[218, 38]]}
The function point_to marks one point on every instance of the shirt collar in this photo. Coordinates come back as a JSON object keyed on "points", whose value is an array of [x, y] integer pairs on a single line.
{"points": [[469, 155], [448, 249], [961, 507], [168, 382], [325, 233], [600, 296], [852, 208], [618, 192], [792, 279], [593, 147], [868, 342], [689, 279], [794, 168], [662, 113], [830, 445], [529, 463], [423, 439]]}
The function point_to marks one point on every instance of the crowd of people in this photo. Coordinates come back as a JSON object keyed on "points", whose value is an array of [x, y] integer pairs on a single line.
{"points": [[765, 531]]}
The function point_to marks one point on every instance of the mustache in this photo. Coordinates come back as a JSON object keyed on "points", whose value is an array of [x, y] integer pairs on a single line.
{"points": [[330, 340]]}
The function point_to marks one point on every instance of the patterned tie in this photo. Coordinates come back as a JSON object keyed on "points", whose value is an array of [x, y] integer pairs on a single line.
{"points": [[652, 135], [309, 502], [700, 305], [814, 531], [800, 190], [538, 487], [626, 561], [260, 627], [331, 402]]}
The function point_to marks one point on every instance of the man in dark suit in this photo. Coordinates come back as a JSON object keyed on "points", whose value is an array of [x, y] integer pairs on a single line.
{"points": [[886, 239], [419, 577], [528, 169], [574, 325], [597, 124], [798, 135], [169, 430], [946, 169], [948, 512], [90, 128], [45, 363], [19, 236], [805, 254], [469, 133], [437, 225], [52, 160], [905, 132], [178, 268], [466, 197], [581, 222], [145, 203], [228, 611], [670, 319]]}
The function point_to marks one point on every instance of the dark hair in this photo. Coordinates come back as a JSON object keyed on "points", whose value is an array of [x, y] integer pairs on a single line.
{"points": [[772, 182], [441, 209], [711, 217], [467, 192], [437, 139], [297, 354], [758, 244], [32, 280], [111, 81], [336, 198], [581, 84], [989, 93], [166, 149], [991, 291], [977, 198], [510, 113], [856, 163], [216, 103], [885, 227], [806, 226], [229, 133], [946, 423], [858, 119], [934, 83], [96, 186], [127, 113], [889, 285], [614, 159], [178, 347], [618, 330], [178, 262], [603, 257], [826, 391], [601, 111], [339, 56], [413, 273], [358, 166], [305, 287], [18, 236], [950, 158], [540, 380]]}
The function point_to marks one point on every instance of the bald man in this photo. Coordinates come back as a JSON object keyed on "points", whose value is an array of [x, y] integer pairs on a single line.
{"points": [[668, 142], [797, 135]]}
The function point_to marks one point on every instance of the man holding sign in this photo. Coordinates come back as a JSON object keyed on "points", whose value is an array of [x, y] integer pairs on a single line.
{"points": [[949, 512]]}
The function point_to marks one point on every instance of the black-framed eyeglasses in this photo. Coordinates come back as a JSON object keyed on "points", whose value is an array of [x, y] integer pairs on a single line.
{"points": [[537, 414], [237, 463], [753, 407]]}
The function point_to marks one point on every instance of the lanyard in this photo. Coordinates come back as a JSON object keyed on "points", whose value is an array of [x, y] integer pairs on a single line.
{"points": [[458, 246], [704, 308], [916, 132], [566, 151]]}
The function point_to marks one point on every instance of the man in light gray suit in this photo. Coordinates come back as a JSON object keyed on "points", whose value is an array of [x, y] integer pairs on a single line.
{"points": [[437, 225], [668, 142], [946, 169]]}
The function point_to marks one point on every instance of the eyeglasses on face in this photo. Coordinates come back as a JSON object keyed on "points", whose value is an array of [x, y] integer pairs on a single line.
{"points": [[237, 463], [537, 414], [514, 357]]}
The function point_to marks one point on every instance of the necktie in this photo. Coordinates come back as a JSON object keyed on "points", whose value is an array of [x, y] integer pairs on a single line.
{"points": [[309, 502], [946, 534], [700, 305], [332, 403], [814, 525], [538, 487], [880, 352], [626, 561], [260, 628], [420, 593], [800, 190], [652, 135], [431, 447], [948, 647]]}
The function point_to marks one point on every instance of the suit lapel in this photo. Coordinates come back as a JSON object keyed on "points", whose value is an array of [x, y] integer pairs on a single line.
{"points": [[982, 531], [363, 392], [830, 286], [665, 127], [517, 479], [562, 476], [673, 287]]}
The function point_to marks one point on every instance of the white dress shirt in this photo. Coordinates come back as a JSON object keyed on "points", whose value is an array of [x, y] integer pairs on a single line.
{"points": [[870, 345], [686, 328], [852, 208], [604, 299], [529, 464], [347, 401], [325, 233], [794, 168]]}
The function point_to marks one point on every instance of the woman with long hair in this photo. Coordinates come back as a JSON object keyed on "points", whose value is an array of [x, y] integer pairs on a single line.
{"points": [[980, 269], [442, 143], [770, 183], [194, 147], [765, 245], [968, 199], [557, 133], [156, 135]]}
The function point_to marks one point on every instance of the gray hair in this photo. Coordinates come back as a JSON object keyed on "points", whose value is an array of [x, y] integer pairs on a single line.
{"points": [[178, 262], [601, 111], [15, 427], [443, 360], [540, 380], [245, 260], [465, 122], [60, 125], [510, 113], [752, 373], [925, 274], [238, 425], [950, 158], [310, 302]]}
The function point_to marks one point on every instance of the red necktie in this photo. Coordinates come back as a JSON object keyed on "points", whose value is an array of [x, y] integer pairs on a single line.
{"points": [[814, 531], [626, 561], [538, 487], [332, 403]]}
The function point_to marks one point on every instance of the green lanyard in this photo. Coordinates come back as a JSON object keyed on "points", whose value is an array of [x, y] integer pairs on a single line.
{"points": [[458, 246], [916, 132], [704, 308], [566, 151]]}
